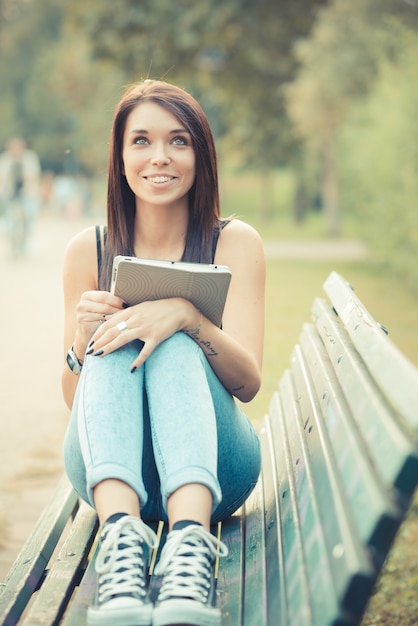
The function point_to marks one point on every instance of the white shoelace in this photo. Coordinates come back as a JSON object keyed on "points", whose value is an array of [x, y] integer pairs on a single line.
{"points": [[118, 567], [186, 562]]}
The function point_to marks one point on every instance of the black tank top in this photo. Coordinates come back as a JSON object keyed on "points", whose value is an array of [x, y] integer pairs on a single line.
{"points": [[215, 237]]}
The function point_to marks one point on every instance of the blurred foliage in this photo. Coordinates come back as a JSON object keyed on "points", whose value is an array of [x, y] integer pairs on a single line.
{"points": [[53, 94], [68, 60], [354, 102], [324, 89], [233, 56], [378, 151], [339, 64]]}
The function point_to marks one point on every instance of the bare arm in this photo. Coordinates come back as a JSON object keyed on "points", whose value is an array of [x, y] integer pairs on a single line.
{"points": [[236, 352], [84, 306]]}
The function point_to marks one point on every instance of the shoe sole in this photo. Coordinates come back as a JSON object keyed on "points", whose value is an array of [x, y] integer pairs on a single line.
{"points": [[119, 617], [189, 613]]}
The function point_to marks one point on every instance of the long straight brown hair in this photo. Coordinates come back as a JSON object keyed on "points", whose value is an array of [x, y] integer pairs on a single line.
{"points": [[203, 196]]}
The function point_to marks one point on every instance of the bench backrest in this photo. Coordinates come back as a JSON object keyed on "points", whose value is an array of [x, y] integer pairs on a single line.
{"points": [[340, 466]]}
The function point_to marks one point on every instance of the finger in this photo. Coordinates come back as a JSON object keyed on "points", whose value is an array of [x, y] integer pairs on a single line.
{"points": [[147, 348], [109, 337]]}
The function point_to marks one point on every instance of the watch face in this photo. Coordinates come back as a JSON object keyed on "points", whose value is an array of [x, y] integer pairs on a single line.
{"points": [[73, 362]]}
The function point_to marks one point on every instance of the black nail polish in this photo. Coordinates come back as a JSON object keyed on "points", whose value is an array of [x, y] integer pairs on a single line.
{"points": [[124, 305], [89, 351], [98, 353], [133, 369], [91, 343]]}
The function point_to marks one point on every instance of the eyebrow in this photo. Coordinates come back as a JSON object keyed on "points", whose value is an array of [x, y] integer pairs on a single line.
{"points": [[175, 131]]}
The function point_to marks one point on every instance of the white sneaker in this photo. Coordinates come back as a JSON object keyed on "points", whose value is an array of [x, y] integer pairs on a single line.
{"points": [[122, 568], [187, 594]]}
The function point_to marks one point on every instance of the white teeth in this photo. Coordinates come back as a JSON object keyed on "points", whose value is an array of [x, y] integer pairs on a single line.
{"points": [[159, 179]]}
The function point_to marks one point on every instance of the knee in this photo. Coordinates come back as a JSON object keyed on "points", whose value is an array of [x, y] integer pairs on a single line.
{"points": [[175, 347]]}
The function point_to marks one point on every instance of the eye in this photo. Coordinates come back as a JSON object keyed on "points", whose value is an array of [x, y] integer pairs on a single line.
{"points": [[180, 141], [141, 141]]}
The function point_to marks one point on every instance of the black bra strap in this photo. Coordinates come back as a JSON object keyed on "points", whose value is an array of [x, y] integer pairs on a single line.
{"points": [[216, 232], [99, 250]]}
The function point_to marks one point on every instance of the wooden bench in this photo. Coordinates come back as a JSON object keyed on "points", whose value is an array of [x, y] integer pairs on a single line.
{"points": [[340, 465]]}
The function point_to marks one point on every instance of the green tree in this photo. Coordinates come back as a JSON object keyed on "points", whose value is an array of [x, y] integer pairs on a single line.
{"points": [[379, 158], [53, 93], [26, 30], [233, 56], [338, 66]]}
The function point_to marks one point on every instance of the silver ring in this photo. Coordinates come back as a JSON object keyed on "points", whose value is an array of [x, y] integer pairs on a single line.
{"points": [[121, 326]]}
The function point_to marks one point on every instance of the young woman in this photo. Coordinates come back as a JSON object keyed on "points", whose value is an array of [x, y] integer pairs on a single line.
{"points": [[155, 431]]}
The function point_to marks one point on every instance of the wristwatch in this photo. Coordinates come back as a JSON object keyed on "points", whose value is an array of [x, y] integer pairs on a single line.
{"points": [[74, 362]]}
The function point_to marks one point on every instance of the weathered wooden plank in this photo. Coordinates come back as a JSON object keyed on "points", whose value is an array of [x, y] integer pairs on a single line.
{"points": [[393, 372], [297, 606], [346, 572], [76, 613], [29, 567], [323, 598], [231, 572], [352, 483], [276, 592], [63, 576], [392, 451], [254, 604]]}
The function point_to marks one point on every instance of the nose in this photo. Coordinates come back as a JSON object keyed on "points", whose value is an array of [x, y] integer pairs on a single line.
{"points": [[160, 155]]}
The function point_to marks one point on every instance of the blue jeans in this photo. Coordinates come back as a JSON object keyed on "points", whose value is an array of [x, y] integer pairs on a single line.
{"points": [[168, 424]]}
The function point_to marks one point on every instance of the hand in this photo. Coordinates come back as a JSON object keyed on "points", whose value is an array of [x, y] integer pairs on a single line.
{"points": [[92, 310], [151, 322]]}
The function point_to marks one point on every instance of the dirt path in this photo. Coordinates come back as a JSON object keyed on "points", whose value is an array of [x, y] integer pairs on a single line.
{"points": [[33, 414]]}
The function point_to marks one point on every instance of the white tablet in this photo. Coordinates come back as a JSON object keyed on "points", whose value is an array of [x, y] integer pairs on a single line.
{"points": [[138, 280]]}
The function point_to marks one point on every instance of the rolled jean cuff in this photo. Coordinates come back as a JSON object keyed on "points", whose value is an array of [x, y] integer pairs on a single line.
{"points": [[192, 475], [106, 471]]}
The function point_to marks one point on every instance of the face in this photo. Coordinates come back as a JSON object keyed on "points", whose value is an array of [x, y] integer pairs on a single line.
{"points": [[158, 156]]}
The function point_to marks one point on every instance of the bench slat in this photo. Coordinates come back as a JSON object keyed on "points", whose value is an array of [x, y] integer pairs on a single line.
{"points": [[276, 591], [394, 373], [351, 572], [28, 570], [392, 451], [254, 607], [76, 614], [231, 571], [351, 480], [62, 578], [329, 594], [297, 596]]}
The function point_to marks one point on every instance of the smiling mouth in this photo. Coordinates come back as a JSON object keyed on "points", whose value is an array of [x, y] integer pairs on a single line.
{"points": [[159, 179]]}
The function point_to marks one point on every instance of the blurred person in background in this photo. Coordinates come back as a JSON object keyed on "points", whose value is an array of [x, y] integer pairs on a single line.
{"points": [[20, 180]]}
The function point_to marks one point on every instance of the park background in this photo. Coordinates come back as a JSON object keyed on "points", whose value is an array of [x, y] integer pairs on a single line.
{"points": [[314, 106]]}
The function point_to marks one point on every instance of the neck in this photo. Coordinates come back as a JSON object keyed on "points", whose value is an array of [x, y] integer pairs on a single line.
{"points": [[160, 234]]}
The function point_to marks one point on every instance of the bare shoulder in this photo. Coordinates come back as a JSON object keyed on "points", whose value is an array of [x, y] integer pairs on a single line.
{"points": [[239, 239], [81, 256], [82, 242]]}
